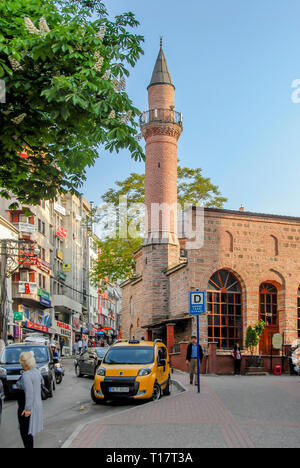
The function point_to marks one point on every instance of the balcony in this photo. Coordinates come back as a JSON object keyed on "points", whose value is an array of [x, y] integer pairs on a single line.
{"points": [[63, 303], [161, 115]]}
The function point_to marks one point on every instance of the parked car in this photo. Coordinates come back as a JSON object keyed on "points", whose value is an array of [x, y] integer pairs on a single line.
{"points": [[88, 362], [10, 367], [1, 399], [133, 370]]}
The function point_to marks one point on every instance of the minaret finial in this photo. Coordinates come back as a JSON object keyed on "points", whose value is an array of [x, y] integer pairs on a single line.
{"points": [[161, 41]]}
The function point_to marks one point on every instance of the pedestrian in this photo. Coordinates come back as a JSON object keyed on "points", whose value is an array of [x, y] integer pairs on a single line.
{"points": [[30, 407], [85, 344], [80, 344], [75, 347], [191, 358], [291, 362], [61, 345], [237, 356]]}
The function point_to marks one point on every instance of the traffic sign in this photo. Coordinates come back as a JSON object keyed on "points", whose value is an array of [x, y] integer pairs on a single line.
{"points": [[197, 303]]}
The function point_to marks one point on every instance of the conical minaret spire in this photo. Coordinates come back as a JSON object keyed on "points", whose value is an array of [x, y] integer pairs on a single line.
{"points": [[161, 74]]}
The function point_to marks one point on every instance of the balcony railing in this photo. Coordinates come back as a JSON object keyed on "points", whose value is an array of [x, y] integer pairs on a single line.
{"points": [[161, 115]]}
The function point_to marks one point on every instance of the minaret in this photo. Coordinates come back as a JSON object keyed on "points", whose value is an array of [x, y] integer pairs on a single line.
{"points": [[161, 127]]}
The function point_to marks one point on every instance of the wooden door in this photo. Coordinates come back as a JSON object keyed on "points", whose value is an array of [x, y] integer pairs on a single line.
{"points": [[269, 314]]}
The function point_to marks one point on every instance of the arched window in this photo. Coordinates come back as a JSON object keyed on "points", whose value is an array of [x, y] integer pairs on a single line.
{"points": [[268, 304], [228, 241], [273, 247], [224, 308], [131, 307]]}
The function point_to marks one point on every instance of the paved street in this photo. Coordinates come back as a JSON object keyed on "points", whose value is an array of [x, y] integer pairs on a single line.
{"points": [[230, 412], [62, 414], [234, 412]]}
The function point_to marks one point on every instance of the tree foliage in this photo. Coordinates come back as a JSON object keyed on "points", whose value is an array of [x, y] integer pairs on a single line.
{"points": [[117, 259], [253, 335], [64, 64]]}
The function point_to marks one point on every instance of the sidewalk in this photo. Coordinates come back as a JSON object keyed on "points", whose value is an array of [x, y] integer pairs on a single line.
{"points": [[215, 418]]}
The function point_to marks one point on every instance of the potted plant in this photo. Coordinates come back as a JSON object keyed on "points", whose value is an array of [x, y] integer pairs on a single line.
{"points": [[253, 335]]}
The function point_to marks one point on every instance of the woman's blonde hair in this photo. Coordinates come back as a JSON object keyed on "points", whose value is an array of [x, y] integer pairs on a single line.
{"points": [[27, 359]]}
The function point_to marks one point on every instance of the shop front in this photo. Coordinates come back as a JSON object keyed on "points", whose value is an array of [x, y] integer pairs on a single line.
{"points": [[63, 337]]}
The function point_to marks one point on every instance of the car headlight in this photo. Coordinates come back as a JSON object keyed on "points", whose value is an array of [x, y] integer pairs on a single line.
{"points": [[44, 370], [101, 371], [3, 372], [145, 371]]}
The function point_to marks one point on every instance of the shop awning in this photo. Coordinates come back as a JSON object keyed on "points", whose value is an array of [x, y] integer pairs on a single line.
{"points": [[166, 321]]}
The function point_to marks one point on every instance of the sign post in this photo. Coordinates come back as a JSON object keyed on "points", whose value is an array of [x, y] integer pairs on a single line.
{"points": [[198, 309]]}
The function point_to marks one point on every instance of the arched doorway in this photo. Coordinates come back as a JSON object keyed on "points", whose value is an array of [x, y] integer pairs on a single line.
{"points": [[268, 312], [224, 309]]}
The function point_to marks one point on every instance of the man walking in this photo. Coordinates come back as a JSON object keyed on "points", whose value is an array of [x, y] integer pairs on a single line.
{"points": [[191, 358]]}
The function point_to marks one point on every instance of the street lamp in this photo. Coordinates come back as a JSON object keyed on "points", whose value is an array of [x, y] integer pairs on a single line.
{"points": [[10, 262]]}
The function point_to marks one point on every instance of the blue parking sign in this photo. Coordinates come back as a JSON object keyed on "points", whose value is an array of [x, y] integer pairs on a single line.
{"points": [[197, 303]]}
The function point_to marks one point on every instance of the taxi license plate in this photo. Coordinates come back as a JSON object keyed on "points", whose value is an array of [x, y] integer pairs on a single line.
{"points": [[119, 389]]}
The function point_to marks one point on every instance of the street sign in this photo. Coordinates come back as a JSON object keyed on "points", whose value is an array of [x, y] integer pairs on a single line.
{"points": [[198, 303], [198, 309]]}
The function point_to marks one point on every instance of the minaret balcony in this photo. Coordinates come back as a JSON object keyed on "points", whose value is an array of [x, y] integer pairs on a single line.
{"points": [[161, 116]]}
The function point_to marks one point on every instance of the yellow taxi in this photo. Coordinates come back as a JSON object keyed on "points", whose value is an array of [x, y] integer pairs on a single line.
{"points": [[133, 369]]}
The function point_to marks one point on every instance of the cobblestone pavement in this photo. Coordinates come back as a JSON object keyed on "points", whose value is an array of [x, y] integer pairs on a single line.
{"points": [[233, 412]]}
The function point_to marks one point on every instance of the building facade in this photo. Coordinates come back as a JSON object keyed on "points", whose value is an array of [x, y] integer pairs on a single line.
{"points": [[248, 263]]}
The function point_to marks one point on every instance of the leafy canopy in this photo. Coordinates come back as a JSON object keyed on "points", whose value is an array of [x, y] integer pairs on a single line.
{"points": [[117, 259], [64, 65]]}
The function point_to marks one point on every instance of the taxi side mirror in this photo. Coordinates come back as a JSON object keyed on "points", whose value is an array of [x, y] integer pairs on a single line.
{"points": [[162, 363]]}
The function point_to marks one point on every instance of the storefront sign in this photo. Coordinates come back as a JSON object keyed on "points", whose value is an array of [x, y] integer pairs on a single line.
{"points": [[63, 329], [27, 258], [59, 255], [18, 316], [27, 227], [60, 209], [27, 288], [67, 267], [61, 275], [62, 233], [76, 322], [43, 266], [45, 302], [35, 326], [43, 293]]}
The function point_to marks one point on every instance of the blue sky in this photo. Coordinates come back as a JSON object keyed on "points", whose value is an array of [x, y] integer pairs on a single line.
{"points": [[233, 63]]}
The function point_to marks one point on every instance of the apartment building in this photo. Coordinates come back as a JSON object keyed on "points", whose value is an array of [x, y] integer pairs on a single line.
{"points": [[50, 289]]}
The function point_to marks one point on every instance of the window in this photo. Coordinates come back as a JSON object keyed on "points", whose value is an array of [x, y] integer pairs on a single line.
{"points": [[268, 304], [224, 310], [131, 308]]}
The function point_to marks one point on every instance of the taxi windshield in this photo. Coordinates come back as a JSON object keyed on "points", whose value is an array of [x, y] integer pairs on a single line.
{"points": [[129, 355]]}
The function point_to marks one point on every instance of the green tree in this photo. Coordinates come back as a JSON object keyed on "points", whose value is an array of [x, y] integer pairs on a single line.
{"points": [[253, 335], [64, 64], [117, 259]]}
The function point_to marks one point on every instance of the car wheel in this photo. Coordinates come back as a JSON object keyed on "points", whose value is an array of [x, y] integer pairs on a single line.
{"points": [[96, 400], [156, 392], [167, 390], [58, 379], [77, 371]]}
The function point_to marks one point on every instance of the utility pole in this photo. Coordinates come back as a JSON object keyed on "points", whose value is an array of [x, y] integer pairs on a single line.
{"points": [[3, 292], [10, 262]]}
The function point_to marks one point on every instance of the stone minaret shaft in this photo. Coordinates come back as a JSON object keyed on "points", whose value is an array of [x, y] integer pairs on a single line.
{"points": [[161, 127]]}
